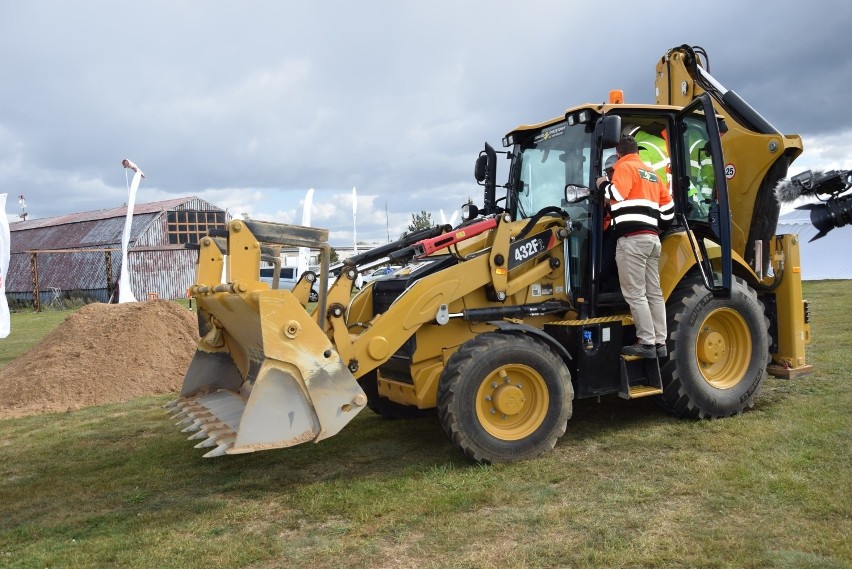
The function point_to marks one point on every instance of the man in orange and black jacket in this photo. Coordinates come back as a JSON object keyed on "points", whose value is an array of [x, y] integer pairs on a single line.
{"points": [[640, 205]]}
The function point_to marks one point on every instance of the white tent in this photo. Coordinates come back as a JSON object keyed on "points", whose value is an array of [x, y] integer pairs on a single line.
{"points": [[826, 258]]}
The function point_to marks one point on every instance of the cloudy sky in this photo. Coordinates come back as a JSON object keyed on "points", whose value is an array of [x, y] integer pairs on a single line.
{"points": [[249, 104]]}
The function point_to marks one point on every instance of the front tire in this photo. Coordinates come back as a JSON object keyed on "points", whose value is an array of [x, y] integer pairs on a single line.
{"points": [[718, 351], [504, 398]]}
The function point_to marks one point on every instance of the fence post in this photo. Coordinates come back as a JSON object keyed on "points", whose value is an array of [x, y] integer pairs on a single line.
{"points": [[110, 285], [34, 271]]}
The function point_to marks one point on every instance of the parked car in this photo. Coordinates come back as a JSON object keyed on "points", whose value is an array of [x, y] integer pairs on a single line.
{"points": [[287, 279], [380, 273]]}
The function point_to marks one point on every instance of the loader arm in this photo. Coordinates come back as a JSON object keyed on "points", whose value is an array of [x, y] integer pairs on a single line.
{"points": [[340, 292], [429, 298]]}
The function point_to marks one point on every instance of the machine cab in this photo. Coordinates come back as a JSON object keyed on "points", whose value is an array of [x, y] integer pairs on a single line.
{"points": [[557, 163]]}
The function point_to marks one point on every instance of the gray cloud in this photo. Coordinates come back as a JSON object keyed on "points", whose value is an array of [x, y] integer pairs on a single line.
{"points": [[249, 105]]}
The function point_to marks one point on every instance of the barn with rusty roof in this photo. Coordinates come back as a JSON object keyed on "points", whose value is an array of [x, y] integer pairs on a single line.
{"points": [[79, 254]]}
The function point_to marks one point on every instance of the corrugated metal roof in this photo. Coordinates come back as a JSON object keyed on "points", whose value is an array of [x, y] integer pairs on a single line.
{"points": [[100, 228], [83, 234], [98, 214]]}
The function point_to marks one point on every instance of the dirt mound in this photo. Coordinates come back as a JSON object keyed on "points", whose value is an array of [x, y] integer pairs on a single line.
{"points": [[103, 353]]}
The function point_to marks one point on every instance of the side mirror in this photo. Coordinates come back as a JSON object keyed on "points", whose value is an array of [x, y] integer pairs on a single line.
{"points": [[486, 175], [480, 169], [611, 131]]}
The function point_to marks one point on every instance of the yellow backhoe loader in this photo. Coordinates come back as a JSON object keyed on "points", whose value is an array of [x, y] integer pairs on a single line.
{"points": [[497, 325]]}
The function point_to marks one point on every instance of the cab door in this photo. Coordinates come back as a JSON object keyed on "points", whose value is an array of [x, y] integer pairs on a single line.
{"points": [[701, 191]]}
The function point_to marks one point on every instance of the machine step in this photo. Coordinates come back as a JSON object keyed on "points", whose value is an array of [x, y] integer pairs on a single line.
{"points": [[640, 377], [638, 391]]}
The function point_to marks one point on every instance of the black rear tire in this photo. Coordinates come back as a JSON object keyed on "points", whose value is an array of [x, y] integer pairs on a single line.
{"points": [[504, 397], [718, 351]]}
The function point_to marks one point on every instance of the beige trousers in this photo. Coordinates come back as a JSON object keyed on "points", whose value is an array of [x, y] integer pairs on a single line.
{"points": [[638, 260]]}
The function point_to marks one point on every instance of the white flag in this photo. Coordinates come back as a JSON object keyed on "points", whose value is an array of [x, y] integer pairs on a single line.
{"points": [[5, 318], [125, 293], [359, 280], [305, 252]]}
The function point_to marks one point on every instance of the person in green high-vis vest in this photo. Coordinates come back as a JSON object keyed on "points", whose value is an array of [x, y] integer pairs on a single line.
{"points": [[701, 177], [653, 150]]}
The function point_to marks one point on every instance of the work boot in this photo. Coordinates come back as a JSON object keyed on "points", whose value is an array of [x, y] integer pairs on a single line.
{"points": [[641, 350], [662, 351]]}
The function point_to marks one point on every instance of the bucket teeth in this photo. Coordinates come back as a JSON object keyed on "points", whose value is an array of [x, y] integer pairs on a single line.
{"points": [[212, 420], [222, 448], [206, 443], [193, 418], [216, 433], [195, 426], [195, 436], [179, 414], [222, 439], [218, 451]]}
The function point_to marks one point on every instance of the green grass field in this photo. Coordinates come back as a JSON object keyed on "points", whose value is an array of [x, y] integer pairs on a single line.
{"points": [[628, 486]]}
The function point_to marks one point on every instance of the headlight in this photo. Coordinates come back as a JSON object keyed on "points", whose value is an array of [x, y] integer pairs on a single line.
{"points": [[573, 193], [469, 211]]}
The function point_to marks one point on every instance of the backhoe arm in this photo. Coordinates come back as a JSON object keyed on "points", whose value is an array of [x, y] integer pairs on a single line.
{"points": [[757, 154]]}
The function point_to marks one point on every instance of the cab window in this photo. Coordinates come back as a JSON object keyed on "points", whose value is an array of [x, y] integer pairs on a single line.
{"points": [[556, 156], [700, 191]]}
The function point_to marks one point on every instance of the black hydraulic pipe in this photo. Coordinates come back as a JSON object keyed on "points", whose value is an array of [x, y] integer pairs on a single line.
{"points": [[402, 254], [746, 112], [385, 250], [521, 310]]}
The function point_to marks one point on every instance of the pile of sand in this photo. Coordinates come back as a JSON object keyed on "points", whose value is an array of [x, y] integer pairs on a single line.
{"points": [[103, 353]]}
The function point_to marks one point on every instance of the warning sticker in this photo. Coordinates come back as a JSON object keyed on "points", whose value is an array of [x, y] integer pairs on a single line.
{"points": [[541, 289]]}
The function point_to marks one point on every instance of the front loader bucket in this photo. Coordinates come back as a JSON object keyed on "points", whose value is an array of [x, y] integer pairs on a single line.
{"points": [[264, 376]]}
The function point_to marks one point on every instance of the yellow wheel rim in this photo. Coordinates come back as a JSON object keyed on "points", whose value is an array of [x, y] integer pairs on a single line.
{"points": [[512, 402], [723, 348]]}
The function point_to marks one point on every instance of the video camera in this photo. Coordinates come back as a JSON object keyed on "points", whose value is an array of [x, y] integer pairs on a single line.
{"points": [[835, 209]]}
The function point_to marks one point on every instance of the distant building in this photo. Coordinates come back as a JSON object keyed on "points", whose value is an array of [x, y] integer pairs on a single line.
{"points": [[290, 255], [80, 253]]}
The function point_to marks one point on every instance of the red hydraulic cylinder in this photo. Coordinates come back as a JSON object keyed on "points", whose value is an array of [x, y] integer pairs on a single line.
{"points": [[429, 246]]}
